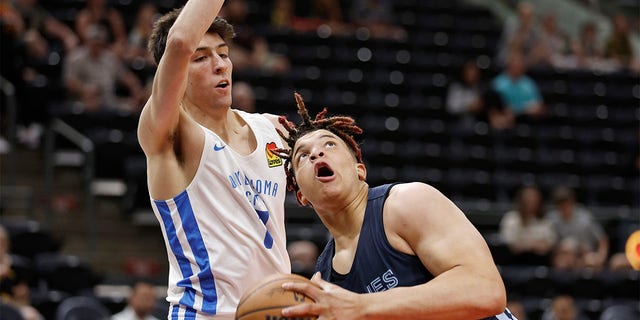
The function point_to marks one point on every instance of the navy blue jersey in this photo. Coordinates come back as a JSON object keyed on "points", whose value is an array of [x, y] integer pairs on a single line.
{"points": [[377, 266]]}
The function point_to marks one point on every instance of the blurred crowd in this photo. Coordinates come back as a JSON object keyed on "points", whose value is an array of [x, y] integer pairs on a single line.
{"points": [[99, 62]]}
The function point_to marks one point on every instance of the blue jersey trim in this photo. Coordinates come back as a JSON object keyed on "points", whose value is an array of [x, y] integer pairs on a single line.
{"points": [[196, 243], [194, 237]]}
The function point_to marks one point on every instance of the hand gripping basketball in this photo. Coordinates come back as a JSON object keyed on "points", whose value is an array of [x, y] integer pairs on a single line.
{"points": [[266, 299]]}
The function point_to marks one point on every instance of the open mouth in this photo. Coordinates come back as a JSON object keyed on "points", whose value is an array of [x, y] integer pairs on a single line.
{"points": [[323, 171], [223, 84]]}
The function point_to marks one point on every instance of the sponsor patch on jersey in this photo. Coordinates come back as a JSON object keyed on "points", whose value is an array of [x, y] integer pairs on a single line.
{"points": [[272, 159]]}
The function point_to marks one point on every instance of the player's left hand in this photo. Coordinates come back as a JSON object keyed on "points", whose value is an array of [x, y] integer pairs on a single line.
{"points": [[331, 301]]}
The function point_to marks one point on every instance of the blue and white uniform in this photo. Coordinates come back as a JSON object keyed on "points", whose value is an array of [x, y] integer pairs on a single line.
{"points": [[377, 266], [225, 231]]}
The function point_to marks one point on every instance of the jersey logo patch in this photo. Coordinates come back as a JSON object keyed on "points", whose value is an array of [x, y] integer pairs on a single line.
{"points": [[272, 159]]}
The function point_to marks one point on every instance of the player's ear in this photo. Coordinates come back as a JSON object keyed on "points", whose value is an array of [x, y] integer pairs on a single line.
{"points": [[301, 199], [362, 171]]}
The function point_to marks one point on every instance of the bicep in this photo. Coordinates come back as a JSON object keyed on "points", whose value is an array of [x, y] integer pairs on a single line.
{"points": [[439, 233], [161, 114]]}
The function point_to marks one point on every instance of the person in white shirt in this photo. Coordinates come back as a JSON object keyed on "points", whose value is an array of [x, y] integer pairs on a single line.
{"points": [[140, 305]]}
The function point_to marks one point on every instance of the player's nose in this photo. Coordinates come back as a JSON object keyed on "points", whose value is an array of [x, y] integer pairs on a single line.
{"points": [[315, 154], [219, 65]]}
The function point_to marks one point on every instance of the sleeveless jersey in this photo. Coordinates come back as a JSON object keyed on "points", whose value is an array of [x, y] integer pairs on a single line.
{"points": [[377, 266], [226, 230]]}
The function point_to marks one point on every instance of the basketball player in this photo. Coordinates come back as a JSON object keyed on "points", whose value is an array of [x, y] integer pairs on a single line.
{"points": [[405, 244], [216, 187]]}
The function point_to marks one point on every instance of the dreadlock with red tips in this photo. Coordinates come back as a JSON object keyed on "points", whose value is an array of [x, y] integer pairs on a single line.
{"points": [[342, 126]]}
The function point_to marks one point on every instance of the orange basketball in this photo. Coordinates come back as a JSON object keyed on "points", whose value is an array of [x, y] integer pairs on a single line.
{"points": [[267, 298]]}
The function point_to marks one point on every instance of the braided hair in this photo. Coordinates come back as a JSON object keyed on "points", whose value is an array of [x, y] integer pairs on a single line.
{"points": [[342, 126]]}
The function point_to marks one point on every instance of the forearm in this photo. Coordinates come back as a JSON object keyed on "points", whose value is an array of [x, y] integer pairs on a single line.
{"points": [[194, 20], [459, 293]]}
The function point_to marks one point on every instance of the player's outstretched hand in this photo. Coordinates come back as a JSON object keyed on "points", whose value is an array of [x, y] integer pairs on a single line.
{"points": [[331, 301]]}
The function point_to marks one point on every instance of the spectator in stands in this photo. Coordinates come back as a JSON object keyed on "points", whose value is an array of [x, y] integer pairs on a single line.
{"points": [[377, 16], [11, 29], [518, 93], [282, 14], [563, 307], [5, 257], [138, 37], [525, 230], [464, 97], [137, 56], [555, 47], [42, 40], [619, 262], [328, 13], [39, 20], [521, 34], [14, 288], [303, 255], [574, 221], [100, 12], [566, 255], [140, 304], [251, 50], [92, 73], [618, 45], [243, 97], [587, 48], [16, 292]]}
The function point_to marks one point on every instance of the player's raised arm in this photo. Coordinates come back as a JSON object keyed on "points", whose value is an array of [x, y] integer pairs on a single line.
{"points": [[160, 116]]}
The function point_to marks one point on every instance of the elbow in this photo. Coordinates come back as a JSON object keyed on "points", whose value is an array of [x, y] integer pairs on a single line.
{"points": [[180, 42], [491, 299], [495, 301]]}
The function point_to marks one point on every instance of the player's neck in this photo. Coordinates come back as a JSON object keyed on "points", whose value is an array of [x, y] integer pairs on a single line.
{"points": [[222, 121], [346, 221]]}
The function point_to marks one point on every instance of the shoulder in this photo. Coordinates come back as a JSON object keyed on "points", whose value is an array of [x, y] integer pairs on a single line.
{"points": [[271, 118], [406, 200], [275, 121], [412, 190]]}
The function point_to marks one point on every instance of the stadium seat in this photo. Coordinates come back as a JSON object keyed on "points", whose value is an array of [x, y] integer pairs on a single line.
{"points": [[10, 312], [619, 312], [65, 272], [82, 308]]}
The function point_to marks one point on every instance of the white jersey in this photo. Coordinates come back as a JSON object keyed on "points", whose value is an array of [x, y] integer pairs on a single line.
{"points": [[226, 230]]}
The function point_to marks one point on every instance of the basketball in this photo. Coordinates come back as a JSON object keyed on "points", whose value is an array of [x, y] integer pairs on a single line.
{"points": [[267, 298]]}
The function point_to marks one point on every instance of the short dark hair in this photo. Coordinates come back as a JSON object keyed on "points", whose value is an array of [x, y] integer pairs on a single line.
{"points": [[342, 126], [562, 194], [158, 39]]}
